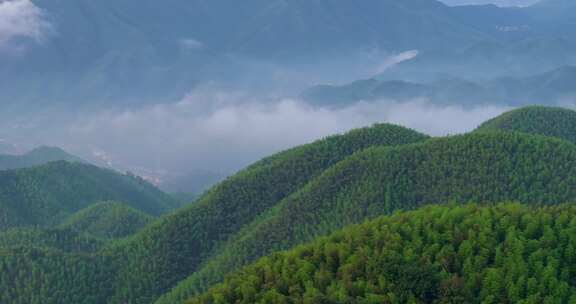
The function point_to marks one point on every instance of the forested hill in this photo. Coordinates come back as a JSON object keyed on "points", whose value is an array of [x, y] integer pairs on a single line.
{"points": [[298, 195], [107, 220], [45, 195], [469, 254], [549, 121], [38, 156], [480, 167], [172, 248], [62, 240]]}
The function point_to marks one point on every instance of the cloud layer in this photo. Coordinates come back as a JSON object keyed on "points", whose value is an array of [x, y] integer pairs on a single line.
{"points": [[21, 18], [220, 133]]}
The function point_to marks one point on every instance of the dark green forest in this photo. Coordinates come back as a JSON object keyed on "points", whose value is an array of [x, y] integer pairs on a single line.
{"points": [[43, 196], [107, 220], [75, 233], [507, 253], [549, 121], [525, 168], [173, 248]]}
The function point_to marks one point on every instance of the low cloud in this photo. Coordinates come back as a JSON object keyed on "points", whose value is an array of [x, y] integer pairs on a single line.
{"points": [[191, 44], [222, 131], [21, 19], [221, 134], [393, 60]]}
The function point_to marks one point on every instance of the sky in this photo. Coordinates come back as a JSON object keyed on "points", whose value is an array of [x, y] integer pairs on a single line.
{"points": [[496, 2], [21, 19]]}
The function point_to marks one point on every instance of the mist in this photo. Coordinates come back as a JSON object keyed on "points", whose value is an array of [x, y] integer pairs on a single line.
{"points": [[223, 131]]}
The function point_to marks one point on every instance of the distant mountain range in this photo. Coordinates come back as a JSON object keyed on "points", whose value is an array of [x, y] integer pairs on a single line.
{"points": [[122, 53], [553, 87], [37, 156]]}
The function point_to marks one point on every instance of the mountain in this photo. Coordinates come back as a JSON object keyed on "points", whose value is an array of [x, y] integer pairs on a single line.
{"points": [[45, 195], [501, 254], [554, 122], [480, 167], [554, 87], [107, 220], [121, 54], [125, 53], [63, 240], [174, 247], [294, 197], [35, 157], [142, 267]]}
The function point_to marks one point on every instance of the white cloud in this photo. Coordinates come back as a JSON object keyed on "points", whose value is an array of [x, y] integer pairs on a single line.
{"points": [[191, 44], [393, 60], [21, 18], [233, 133]]}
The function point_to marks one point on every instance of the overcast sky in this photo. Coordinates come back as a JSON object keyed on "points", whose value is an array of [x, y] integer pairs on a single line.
{"points": [[497, 2]]}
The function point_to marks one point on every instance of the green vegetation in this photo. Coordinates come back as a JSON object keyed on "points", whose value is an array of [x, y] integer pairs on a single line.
{"points": [[468, 254], [480, 167], [45, 195], [36, 157], [45, 276], [56, 239], [171, 249], [293, 198], [107, 220], [555, 122]]}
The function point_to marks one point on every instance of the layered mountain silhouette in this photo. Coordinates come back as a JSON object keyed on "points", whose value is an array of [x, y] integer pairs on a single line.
{"points": [[126, 53], [556, 87]]}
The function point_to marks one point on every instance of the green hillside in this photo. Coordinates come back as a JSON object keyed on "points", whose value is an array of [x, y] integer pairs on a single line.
{"points": [[38, 156], [45, 195], [469, 254], [479, 167], [171, 249], [292, 198], [31, 275], [57, 239], [108, 220], [549, 121]]}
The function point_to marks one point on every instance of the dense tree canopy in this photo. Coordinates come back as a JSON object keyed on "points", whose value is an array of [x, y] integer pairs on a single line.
{"points": [[45, 195], [461, 254], [108, 220], [549, 121], [292, 198], [57, 239], [172, 248], [481, 167]]}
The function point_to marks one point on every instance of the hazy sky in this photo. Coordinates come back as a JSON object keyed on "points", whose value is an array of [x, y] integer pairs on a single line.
{"points": [[497, 2]]}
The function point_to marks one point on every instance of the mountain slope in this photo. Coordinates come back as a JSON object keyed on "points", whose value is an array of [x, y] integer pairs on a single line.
{"points": [[54, 239], [481, 167], [45, 195], [503, 254], [108, 220], [555, 122], [171, 249], [38, 156]]}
